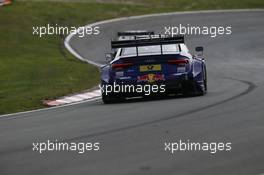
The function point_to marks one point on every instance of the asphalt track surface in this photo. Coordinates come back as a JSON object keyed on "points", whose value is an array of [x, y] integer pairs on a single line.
{"points": [[132, 134]]}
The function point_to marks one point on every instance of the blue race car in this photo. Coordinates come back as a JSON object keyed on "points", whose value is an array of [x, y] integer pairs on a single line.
{"points": [[144, 64]]}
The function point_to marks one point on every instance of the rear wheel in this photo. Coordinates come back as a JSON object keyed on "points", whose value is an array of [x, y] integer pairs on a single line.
{"points": [[108, 99], [203, 90], [204, 81], [193, 89]]}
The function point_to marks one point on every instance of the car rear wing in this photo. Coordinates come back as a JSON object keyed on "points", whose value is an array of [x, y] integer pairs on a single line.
{"points": [[134, 33], [151, 40]]}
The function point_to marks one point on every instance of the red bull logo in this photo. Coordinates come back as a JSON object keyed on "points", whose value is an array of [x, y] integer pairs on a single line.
{"points": [[151, 78]]}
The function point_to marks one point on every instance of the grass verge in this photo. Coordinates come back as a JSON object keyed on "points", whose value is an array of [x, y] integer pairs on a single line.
{"points": [[33, 69]]}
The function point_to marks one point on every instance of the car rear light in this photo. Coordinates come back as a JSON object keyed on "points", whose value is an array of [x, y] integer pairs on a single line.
{"points": [[121, 65], [179, 62]]}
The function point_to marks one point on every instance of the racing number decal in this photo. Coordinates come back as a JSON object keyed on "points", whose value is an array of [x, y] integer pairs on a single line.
{"points": [[150, 67], [155, 67]]}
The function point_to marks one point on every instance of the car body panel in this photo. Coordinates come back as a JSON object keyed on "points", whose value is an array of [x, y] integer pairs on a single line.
{"points": [[177, 70]]}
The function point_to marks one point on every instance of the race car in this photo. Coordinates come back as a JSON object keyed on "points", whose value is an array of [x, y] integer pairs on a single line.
{"points": [[143, 60]]}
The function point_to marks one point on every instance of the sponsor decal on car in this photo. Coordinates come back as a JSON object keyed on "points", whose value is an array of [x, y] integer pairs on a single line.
{"points": [[120, 73], [181, 69], [154, 67], [150, 78]]}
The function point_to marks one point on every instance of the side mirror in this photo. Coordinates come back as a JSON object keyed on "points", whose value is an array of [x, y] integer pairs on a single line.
{"points": [[200, 50], [109, 57]]}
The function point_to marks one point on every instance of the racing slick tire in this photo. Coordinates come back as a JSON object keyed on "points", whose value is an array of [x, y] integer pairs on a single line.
{"points": [[200, 91], [108, 99], [193, 89]]}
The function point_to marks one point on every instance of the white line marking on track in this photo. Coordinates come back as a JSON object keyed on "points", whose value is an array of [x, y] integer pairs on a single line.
{"points": [[50, 108]]}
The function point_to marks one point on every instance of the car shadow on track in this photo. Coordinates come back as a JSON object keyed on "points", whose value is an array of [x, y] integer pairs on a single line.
{"points": [[153, 98]]}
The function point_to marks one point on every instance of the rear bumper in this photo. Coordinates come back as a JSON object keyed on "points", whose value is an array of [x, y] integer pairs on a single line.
{"points": [[172, 84]]}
